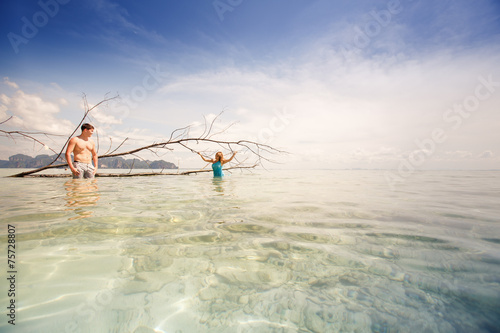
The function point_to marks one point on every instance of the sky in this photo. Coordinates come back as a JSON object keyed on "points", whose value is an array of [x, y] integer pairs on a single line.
{"points": [[392, 84]]}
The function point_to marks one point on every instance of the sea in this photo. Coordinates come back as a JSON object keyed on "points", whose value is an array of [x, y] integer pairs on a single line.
{"points": [[254, 251]]}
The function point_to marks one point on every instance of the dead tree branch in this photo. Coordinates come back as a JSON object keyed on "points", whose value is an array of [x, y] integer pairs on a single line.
{"points": [[179, 138], [27, 135]]}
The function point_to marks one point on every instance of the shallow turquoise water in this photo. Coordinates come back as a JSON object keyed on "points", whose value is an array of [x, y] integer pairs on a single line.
{"points": [[269, 251]]}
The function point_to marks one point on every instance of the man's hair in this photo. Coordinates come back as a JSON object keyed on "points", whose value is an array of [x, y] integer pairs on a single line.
{"points": [[87, 126]]}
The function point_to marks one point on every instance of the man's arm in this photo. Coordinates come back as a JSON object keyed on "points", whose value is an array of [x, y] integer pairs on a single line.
{"points": [[94, 157], [69, 150]]}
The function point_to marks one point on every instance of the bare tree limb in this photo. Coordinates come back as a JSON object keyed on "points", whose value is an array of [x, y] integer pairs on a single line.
{"points": [[3, 122], [179, 138], [11, 134], [118, 146], [142, 174]]}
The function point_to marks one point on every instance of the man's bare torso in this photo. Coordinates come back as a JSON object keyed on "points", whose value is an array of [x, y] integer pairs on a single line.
{"points": [[83, 150]]}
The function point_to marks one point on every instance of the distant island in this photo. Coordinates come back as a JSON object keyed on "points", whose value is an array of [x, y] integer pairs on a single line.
{"points": [[28, 162]]}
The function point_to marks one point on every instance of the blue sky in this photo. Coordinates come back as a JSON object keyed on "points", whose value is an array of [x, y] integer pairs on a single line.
{"points": [[338, 84]]}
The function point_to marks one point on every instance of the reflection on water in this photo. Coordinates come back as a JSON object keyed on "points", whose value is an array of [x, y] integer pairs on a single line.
{"points": [[218, 183], [81, 196], [326, 252]]}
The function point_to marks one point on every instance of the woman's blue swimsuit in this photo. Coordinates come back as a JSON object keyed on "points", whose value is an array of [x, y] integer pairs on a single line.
{"points": [[217, 167]]}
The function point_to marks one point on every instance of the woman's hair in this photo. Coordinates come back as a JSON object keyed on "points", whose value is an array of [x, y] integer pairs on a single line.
{"points": [[219, 156]]}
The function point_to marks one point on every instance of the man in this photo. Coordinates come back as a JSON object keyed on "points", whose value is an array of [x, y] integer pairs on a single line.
{"points": [[84, 153]]}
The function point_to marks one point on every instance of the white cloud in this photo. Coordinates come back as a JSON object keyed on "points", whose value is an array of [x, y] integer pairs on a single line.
{"points": [[459, 154], [379, 106], [10, 83], [3, 112], [116, 22], [4, 99], [486, 154], [105, 118], [31, 112]]}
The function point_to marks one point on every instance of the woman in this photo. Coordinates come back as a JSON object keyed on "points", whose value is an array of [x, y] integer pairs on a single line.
{"points": [[217, 162]]}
